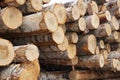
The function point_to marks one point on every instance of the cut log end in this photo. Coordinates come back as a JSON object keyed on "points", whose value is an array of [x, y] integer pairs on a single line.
{"points": [[18, 2], [82, 24], [105, 54], [32, 52], [6, 52], [10, 19], [114, 23], [101, 61], [74, 37], [95, 21], [74, 60], [71, 51], [63, 46], [102, 44], [60, 13], [108, 48], [36, 4], [92, 43], [97, 50], [51, 21], [108, 15], [82, 7], [58, 36], [75, 12], [108, 29], [116, 35]]}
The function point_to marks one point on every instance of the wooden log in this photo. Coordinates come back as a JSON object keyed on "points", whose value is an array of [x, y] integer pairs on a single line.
{"points": [[67, 54], [86, 45], [6, 52], [103, 30], [92, 7], [114, 55], [64, 62], [82, 7], [118, 66], [91, 75], [92, 21], [118, 40], [111, 64], [73, 13], [113, 37], [114, 23], [77, 26], [101, 44], [104, 16], [46, 1], [14, 2], [55, 47], [26, 53], [60, 12], [104, 53], [40, 22], [72, 37], [97, 50], [13, 20], [20, 72], [63, 26], [54, 75], [91, 62], [31, 6]]}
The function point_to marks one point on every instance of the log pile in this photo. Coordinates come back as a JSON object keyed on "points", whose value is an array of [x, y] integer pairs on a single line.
{"points": [[77, 40]]}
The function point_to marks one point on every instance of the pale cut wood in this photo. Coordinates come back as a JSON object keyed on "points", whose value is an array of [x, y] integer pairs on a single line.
{"points": [[104, 53], [14, 2], [10, 20], [26, 53], [92, 7], [103, 30], [104, 16], [70, 53], [46, 1], [97, 50], [114, 23], [6, 52], [92, 21], [63, 26], [91, 62], [118, 66], [39, 22], [78, 26], [73, 13], [31, 6], [86, 45], [82, 7], [111, 64], [91, 75], [101, 44], [72, 37], [113, 37], [60, 12]]}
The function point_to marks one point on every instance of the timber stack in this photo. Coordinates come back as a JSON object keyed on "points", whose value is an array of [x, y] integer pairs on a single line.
{"points": [[76, 40]]}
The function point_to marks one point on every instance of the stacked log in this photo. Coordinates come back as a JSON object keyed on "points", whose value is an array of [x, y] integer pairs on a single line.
{"points": [[80, 36]]}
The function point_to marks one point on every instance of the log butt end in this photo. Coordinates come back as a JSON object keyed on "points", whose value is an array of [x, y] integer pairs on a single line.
{"points": [[75, 12], [108, 15], [101, 61], [82, 24]]}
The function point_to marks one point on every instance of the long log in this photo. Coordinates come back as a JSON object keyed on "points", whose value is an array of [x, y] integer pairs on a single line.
{"points": [[67, 54], [26, 53], [31, 6], [103, 30], [13, 20], [21, 71], [78, 26], [91, 62], [92, 7], [91, 75], [86, 45], [6, 52], [92, 21]]}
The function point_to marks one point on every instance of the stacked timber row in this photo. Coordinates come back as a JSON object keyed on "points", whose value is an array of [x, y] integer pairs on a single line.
{"points": [[81, 37]]}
